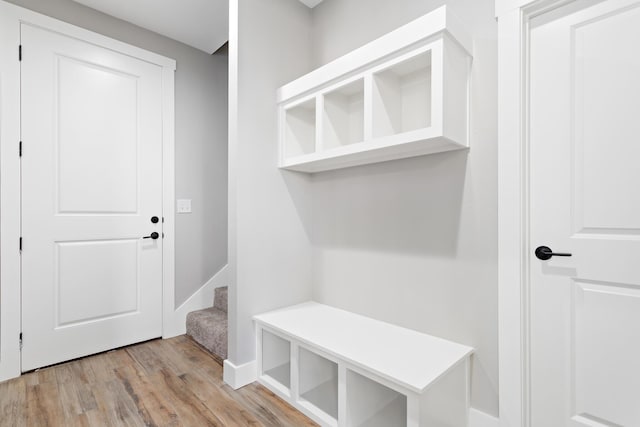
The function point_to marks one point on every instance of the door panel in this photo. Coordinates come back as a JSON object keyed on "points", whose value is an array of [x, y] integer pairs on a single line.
{"points": [[584, 151], [91, 181], [605, 104], [108, 286], [607, 320], [98, 144]]}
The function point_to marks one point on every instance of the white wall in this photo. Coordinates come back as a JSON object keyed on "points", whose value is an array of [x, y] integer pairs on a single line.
{"points": [[414, 242], [201, 139], [269, 216]]}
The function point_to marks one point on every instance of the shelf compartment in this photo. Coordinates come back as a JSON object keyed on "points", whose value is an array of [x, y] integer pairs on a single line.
{"points": [[318, 382], [371, 404], [343, 119], [300, 129], [276, 359], [402, 96]]}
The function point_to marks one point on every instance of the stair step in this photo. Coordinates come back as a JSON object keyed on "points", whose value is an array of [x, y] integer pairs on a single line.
{"points": [[208, 328], [220, 299]]}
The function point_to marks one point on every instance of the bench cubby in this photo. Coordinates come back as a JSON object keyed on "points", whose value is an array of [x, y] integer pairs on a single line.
{"points": [[276, 359]]}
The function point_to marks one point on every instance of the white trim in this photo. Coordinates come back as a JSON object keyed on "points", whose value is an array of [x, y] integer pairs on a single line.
{"points": [[482, 419], [11, 17], [513, 209], [51, 24], [175, 324], [232, 220], [421, 30], [238, 376], [168, 201], [510, 219], [9, 193], [503, 7]]}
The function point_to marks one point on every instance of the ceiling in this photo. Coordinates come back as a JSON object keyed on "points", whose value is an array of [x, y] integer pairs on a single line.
{"points": [[203, 24]]}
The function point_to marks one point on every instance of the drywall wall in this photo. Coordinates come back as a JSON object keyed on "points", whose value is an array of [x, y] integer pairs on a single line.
{"points": [[269, 209], [414, 242], [201, 139]]}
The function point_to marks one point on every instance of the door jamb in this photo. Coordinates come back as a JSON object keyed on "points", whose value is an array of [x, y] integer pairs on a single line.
{"points": [[514, 18], [11, 17]]}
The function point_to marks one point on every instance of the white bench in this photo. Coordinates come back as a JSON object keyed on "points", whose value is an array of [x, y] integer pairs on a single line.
{"points": [[343, 369]]}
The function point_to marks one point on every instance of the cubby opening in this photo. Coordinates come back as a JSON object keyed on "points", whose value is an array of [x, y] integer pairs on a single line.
{"points": [[343, 122], [371, 404], [402, 96], [300, 129], [276, 358], [318, 382]]}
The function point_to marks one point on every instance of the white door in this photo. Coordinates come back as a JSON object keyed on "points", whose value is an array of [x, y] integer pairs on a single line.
{"points": [[585, 200], [91, 183]]}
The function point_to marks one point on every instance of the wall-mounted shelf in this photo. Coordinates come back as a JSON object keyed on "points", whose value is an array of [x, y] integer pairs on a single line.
{"points": [[405, 94], [350, 370]]}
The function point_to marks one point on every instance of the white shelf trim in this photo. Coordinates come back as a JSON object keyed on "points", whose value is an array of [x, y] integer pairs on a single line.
{"points": [[438, 21]]}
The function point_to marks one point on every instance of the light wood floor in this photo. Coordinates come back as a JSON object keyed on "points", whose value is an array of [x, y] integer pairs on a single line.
{"points": [[158, 383]]}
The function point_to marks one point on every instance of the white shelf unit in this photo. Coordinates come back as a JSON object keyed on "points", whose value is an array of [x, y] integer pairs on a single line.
{"points": [[405, 94], [348, 370]]}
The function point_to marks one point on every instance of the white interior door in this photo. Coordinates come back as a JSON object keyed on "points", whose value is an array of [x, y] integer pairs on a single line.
{"points": [[91, 183], [585, 200]]}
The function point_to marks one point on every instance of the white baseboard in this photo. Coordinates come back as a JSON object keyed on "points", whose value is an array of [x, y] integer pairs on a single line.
{"points": [[202, 298], [481, 419], [238, 376]]}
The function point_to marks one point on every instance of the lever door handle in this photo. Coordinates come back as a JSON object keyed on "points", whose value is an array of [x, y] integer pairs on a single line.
{"points": [[153, 236], [544, 253]]}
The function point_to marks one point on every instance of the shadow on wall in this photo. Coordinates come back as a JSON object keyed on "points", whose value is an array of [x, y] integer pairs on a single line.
{"points": [[403, 206]]}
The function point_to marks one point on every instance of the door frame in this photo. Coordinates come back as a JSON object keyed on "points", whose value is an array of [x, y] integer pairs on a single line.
{"points": [[514, 18], [11, 18]]}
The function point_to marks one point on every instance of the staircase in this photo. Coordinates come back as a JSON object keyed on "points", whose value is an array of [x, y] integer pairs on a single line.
{"points": [[208, 327]]}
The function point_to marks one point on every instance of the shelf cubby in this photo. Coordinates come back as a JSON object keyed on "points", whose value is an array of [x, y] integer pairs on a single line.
{"points": [[343, 120], [300, 129], [276, 359], [402, 96], [371, 404], [318, 382]]}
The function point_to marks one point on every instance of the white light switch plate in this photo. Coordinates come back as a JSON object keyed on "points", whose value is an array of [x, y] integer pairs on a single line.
{"points": [[184, 206]]}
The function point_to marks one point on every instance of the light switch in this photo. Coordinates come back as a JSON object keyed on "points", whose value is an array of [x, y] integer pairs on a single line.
{"points": [[184, 206]]}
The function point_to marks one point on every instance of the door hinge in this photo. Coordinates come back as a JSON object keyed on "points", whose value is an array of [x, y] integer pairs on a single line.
{"points": [[20, 340], [20, 149], [20, 53], [21, 244]]}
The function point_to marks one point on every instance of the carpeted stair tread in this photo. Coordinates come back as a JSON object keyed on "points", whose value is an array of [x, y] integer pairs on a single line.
{"points": [[208, 327]]}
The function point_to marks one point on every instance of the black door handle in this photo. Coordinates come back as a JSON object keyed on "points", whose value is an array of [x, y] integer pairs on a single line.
{"points": [[153, 236], [544, 253]]}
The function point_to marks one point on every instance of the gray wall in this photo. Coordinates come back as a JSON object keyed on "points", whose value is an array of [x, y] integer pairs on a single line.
{"points": [[414, 242], [201, 138], [270, 249]]}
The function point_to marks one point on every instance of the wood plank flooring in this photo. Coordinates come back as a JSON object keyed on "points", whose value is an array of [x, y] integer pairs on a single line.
{"points": [[171, 382]]}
